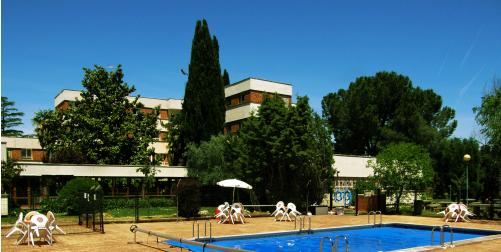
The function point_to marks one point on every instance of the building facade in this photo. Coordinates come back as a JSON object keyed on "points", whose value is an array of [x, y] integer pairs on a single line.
{"points": [[245, 96], [40, 180]]}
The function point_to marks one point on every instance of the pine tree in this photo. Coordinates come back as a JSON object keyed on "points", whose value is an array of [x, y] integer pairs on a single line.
{"points": [[11, 118], [203, 105]]}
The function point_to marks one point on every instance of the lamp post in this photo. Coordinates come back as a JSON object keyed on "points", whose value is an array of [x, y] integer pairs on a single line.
{"points": [[466, 158]]}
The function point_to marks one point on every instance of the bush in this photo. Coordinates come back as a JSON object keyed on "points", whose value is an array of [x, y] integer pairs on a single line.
{"points": [[118, 203], [53, 205], [189, 197], [71, 195]]}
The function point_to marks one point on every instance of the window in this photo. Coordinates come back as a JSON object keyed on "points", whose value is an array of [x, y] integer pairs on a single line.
{"points": [[26, 154]]}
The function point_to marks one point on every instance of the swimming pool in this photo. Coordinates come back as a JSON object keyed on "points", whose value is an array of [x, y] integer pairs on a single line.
{"points": [[387, 237]]}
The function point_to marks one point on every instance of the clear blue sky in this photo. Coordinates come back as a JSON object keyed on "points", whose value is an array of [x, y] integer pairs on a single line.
{"points": [[453, 47]]}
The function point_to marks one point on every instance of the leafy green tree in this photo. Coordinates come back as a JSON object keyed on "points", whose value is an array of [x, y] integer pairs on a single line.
{"points": [[11, 118], [488, 115], [175, 140], [203, 105], [285, 152], [402, 167], [10, 171], [103, 127], [383, 109], [491, 163], [450, 169], [208, 161], [149, 171]]}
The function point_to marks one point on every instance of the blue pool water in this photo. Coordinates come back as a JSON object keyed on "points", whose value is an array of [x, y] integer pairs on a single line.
{"points": [[366, 238]]}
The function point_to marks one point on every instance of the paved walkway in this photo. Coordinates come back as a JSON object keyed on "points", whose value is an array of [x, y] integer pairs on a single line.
{"points": [[119, 238]]}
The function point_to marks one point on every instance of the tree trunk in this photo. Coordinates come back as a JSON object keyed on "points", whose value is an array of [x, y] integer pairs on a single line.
{"points": [[397, 200]]}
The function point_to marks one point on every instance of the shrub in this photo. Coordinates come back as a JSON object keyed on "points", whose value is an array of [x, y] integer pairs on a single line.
{"points": [[118, 203], [189, 197], [71, 195], [54, 205]]}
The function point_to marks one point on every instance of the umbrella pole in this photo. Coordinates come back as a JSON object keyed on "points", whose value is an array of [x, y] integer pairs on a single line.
{"points": [[233, 200]]}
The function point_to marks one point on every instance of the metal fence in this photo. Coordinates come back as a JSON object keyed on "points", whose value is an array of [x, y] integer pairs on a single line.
{"points": [[89, 218]]}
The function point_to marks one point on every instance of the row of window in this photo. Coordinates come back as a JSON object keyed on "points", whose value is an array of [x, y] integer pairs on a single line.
{"points": [[25, 154]]}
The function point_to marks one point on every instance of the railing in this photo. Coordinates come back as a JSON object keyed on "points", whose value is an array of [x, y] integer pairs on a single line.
{"points": [[375, 213], [205, 230], [442, 239], [301, 223], [134, 229], [345, 242], [322, 243]]}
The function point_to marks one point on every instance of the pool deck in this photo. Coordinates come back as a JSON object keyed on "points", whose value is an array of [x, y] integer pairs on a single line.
{"points": [[119, 238]]}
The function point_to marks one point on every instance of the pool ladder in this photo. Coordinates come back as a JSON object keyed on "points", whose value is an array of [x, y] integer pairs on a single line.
{"points": [[205, 230], [375, 213], [442, 240], [334, 245], [301, 223]]}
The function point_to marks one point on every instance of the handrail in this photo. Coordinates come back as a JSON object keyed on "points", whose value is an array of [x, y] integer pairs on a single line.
{"points": [[210, 230], [345, 242], [442, 239], [451, 232], [198, 230], [193, 230], [301, 222], [375, 213], [322, 243], [134, 229], [309, 224]]}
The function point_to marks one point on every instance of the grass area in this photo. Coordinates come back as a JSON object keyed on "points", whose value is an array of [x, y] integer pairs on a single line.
{"points": [[60, 217]]}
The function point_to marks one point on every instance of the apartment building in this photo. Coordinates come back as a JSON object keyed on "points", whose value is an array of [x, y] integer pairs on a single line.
{"points": [[245, 96], [242, 98], [27, 150]]}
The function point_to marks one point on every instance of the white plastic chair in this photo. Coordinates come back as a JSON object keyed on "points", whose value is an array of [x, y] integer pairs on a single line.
{"points": [[237, 213], [291, 209], [19, 227], [39, 227], [280, 206], [224, 212], [53, 224], [28, 216]]}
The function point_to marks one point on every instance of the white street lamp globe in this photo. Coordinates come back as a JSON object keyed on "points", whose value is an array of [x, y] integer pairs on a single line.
{"points": [[466, 157]]}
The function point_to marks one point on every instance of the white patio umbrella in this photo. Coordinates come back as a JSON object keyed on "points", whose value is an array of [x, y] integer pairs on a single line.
{"points": [[235, 183]]}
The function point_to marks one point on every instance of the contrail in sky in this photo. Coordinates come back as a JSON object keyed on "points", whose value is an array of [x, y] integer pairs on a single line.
{"points": [[468, 84], [443, 63], [467, 54]]}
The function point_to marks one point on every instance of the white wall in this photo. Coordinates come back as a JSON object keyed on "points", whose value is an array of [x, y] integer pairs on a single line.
{"points": [[241, 112], [258, 85], [72, 95], [21, 143], [352, 166], [99, 170]]}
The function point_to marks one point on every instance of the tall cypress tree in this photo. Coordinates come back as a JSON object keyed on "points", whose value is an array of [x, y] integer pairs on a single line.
{"points": [[226, 78], [203, 106]]}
